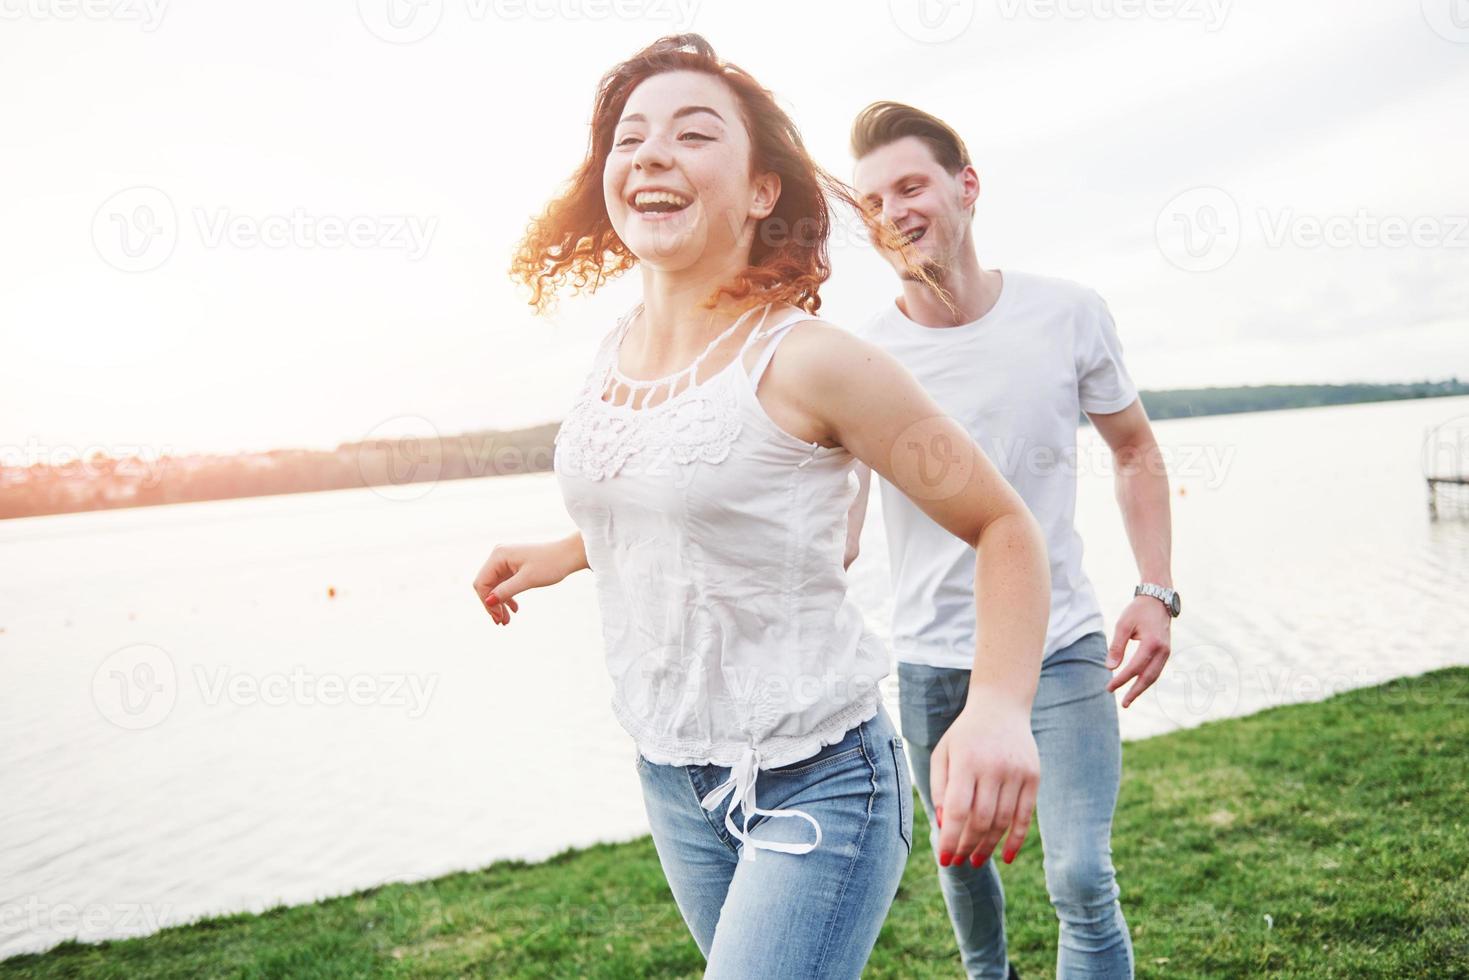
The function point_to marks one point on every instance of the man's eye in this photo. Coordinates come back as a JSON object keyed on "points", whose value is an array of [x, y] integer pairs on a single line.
{"points": [[910, 189]]}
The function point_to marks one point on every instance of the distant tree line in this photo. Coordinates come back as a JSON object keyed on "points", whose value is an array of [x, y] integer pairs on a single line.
{"points": [[1192, 402], [102, 482]]}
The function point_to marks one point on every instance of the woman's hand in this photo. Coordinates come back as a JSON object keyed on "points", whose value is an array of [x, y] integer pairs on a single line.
{"points": [[513, 568], [985, 773]]}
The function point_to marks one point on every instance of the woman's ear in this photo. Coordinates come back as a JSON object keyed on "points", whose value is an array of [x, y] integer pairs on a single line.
{"points": [[767, 193]]}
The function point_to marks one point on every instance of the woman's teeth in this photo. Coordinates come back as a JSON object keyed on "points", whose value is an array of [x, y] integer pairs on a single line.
{"points": [[659, 201]]}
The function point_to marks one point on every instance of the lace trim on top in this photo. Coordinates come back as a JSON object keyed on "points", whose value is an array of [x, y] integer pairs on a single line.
{"points": [[652, 384], [698, 423]]}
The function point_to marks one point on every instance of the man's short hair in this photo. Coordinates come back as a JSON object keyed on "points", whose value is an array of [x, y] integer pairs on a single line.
{"points": [[882, 123]]}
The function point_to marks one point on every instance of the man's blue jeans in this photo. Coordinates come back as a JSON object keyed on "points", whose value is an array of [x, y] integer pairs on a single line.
{"points": [[1074, 720]]}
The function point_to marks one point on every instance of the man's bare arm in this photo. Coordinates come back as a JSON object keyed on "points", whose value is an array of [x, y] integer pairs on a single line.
{"points": [[1143, 497]]}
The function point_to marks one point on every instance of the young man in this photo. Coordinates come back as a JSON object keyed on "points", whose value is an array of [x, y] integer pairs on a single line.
{"points": [[1015, 358]]}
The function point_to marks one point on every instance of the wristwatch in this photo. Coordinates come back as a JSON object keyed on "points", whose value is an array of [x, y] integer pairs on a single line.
{"points": [[1169, 597]]}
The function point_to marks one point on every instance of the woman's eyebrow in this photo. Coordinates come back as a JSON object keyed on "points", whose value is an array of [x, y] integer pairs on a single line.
{"points": [[687, 110]]}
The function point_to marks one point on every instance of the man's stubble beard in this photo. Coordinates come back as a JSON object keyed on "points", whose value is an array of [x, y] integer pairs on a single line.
{"points": [[936, 272]]}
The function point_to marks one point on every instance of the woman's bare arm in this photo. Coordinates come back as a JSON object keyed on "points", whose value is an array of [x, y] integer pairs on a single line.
{"points": [[986, 768]]}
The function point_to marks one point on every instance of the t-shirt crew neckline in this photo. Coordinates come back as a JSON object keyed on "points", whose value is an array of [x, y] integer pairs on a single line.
{"points": [[994, 314]]}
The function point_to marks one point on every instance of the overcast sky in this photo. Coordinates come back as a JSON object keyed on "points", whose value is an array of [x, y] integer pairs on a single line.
{"points": [[247, 226]]}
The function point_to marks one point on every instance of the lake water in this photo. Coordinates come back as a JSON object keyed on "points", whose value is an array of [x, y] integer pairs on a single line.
{"points": [[190, 723]]}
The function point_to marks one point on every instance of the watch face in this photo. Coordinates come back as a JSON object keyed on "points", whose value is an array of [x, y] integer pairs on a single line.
{"points": [[1176, 604]]}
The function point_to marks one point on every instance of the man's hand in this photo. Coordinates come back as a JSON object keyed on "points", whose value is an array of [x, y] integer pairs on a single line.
{"points": [[984, 776], [1146, 620]]}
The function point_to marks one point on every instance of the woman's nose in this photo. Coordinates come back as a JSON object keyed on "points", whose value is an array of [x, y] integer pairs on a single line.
{"points": [[651, 154]]}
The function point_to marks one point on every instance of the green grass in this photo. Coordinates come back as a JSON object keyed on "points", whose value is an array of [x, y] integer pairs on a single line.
{"points": [[1343, 821]]}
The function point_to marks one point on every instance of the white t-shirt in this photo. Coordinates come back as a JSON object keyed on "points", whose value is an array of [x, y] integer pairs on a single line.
{"points": [[1017, 379]]}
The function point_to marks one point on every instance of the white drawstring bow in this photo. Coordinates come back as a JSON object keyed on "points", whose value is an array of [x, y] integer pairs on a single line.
{"points": [[741, 783]]}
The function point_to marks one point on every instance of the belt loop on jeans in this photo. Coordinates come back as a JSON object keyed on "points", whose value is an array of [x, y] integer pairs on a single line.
{"points": [[741, 784]]}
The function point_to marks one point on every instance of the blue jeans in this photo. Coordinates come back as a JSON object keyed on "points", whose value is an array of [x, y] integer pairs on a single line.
{"points": [[789, 915], [1074, 720]]}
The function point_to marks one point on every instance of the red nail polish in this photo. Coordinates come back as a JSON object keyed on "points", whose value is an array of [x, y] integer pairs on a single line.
{"points": [[945, 858]]}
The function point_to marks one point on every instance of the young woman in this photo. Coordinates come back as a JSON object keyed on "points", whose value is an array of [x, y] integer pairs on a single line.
{"points": [[710, 479]]}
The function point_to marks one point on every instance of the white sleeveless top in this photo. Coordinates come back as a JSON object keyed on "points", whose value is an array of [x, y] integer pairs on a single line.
{"points": [[717, 540]]}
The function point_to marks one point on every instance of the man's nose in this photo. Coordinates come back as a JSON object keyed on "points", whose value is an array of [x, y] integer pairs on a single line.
{"points": [[894, 211]]}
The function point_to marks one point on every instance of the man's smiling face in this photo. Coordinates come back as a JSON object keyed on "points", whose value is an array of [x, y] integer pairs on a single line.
{"points": [[903, 183]]}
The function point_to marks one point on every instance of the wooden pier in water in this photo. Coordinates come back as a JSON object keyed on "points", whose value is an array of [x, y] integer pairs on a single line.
{"points": [[1446, 466]]}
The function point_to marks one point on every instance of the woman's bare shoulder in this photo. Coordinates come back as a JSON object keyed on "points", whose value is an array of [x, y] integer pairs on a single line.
{"points": [[818, 343], [819, 358]]}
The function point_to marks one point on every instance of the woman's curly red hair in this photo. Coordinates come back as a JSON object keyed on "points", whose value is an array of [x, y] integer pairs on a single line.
{"points": [[573, 244]]}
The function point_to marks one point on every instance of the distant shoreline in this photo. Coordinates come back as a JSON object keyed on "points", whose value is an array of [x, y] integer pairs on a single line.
{"points": [[104, 483], [1201, 402]]}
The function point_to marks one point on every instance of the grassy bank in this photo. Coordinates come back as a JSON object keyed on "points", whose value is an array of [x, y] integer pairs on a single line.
{"points": [[1318, 840]]}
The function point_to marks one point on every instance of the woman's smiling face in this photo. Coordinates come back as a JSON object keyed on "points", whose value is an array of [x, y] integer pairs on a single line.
{"points": [[677, 180]]}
